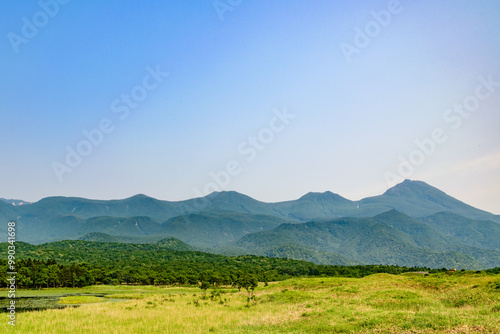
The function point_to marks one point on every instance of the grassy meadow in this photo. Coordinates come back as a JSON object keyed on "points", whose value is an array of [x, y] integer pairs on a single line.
{"points": [[461, 302]]}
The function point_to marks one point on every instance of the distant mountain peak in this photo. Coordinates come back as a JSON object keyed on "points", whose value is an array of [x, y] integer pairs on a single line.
{"points": [[139, 196], [229, 195], [417, 199], [411, 187], [327, 195], [317, 193]]}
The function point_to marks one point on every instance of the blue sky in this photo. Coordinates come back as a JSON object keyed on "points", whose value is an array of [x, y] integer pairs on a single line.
{"points": [[352, 117]]}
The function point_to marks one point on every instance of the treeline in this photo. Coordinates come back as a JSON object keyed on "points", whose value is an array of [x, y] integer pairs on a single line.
{"points": [[48, 273], [73, 263], [44, 274]]}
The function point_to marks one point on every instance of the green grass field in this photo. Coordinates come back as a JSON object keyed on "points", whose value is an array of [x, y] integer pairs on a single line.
{"points": [[461, 302]]}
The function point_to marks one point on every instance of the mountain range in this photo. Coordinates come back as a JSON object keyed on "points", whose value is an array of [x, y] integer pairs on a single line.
{"points": [[412, 224]]}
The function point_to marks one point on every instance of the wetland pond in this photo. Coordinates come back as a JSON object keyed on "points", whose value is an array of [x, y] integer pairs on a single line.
{"points": [[55, 301]]}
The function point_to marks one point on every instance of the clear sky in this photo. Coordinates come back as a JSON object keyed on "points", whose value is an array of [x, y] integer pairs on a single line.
{"points": [[274, 98]]}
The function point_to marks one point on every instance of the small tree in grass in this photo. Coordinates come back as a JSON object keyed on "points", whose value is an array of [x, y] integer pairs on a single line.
{"points": [[248, 282], [204, 287]]}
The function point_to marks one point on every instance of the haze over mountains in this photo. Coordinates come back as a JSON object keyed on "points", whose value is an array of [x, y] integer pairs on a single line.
{"points": [[410, 224]]}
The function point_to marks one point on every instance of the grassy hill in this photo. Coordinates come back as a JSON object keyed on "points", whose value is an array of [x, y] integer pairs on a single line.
{"points": [[462, 302]]}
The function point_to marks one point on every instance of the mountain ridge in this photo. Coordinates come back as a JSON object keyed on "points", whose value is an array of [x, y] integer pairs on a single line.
{"points": [[400, 197], [411, 223]]}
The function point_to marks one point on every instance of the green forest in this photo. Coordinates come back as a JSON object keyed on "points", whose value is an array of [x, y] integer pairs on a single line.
{"points": [[82, 263]]}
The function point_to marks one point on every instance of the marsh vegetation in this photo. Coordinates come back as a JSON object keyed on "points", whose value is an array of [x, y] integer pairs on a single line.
{"points": [[460, 302]]}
